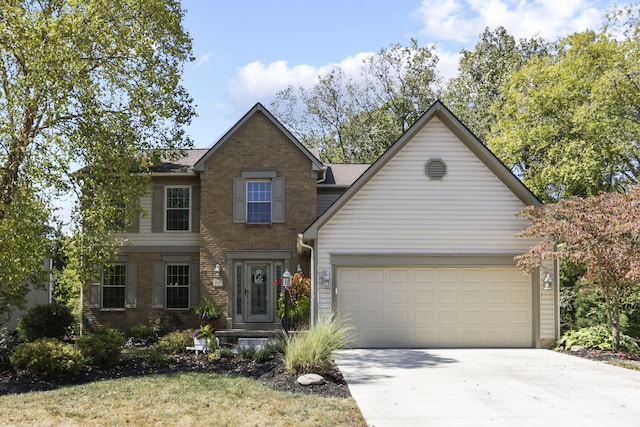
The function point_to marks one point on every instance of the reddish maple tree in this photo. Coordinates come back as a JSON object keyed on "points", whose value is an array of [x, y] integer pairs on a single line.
{"points": [[600, 232]]}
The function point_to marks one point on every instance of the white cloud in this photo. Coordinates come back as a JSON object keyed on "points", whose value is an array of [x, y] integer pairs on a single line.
{"points": [[204, 58], [462, 21], [258, 81]]}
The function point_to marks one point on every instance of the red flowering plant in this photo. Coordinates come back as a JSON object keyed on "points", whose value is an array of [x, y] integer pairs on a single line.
{"points": [[299, 300]]}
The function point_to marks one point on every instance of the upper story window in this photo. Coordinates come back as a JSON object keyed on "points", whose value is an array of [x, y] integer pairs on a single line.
{"points": [[258, 198], [178, 208], [259, 202]]}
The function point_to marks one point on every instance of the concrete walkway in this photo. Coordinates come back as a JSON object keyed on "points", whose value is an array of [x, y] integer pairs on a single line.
{"points": [[489, 387]]}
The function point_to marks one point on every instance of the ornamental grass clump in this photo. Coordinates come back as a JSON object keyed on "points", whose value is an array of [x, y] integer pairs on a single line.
{"points": [[310, 351]]}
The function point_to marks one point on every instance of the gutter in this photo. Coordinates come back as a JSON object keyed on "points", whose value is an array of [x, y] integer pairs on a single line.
{"points": [[302, 244]]}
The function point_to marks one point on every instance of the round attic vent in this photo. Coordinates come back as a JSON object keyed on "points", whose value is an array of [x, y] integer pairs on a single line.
{"points": [[435, 169]]}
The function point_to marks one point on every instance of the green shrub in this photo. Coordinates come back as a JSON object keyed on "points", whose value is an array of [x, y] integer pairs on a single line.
{"points": [[46, 321], [174, 343], [223, 353], [263, 355], [596, 337], [102, 347], [247, 352], [47, 358], [310, 351], [8, 343], [140, 331]]}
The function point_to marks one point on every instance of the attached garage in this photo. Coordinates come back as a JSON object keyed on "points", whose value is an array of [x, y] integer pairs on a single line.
{"points": [[420, 250], [436, 307]]}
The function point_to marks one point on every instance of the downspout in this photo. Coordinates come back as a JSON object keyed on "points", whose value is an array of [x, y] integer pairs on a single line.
{"points": [[312, 315]]}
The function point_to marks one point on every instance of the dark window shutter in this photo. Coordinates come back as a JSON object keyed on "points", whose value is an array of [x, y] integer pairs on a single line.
{"points": [[277, 201], [158, 291], [194, 284], [239, 201], [94, 295], [195, 209], [131, 286], [157, 209]]}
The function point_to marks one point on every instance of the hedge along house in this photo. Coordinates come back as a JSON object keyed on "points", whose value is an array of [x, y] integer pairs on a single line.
{"points": [[419, 251]]}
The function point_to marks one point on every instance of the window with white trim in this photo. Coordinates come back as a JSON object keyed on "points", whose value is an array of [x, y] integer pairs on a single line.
{"points": [[259, 202], [114, 286], [177, 286], [178, 208]]}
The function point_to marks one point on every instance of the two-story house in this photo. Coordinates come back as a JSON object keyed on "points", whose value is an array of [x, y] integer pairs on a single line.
{"points": [[220, 224], [416, 249]]}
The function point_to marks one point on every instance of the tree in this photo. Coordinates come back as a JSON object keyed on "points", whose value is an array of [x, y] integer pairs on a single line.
{"points": [[354, 119], [569, 124], [91, 85], [602, 233], [481, 74]]}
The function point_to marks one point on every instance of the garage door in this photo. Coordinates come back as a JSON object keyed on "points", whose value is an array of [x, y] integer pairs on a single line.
{"points": [[436, 307]]}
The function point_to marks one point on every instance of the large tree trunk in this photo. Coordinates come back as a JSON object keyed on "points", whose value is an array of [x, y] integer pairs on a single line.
{"points": [[613, 317]]}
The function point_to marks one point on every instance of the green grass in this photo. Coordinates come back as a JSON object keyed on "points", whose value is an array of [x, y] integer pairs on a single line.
{"points": [[182, 399]]}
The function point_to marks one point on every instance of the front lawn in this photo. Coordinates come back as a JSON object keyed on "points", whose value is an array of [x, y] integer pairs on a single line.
{"points": [[187, 399]]}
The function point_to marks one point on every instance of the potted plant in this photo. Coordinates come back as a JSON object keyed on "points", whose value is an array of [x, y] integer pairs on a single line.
{"points": [[203, 337], [208, 313]]}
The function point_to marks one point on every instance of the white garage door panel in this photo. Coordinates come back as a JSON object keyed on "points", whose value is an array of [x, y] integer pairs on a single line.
{"points": [[437, 307]]}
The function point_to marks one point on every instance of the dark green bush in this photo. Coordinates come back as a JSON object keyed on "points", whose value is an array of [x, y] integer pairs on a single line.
{"points": [[174, 342], [8, 343], [140, 331], [47, 358], [102, 347], [263, 355], [46, 321], [224, 353], [247, 352], [596, 338]]}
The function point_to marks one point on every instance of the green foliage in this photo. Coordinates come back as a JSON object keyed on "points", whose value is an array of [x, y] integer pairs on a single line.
{"points": [[140, 331], [8, 343], [299, 301], [174, 343], [262, 355], [205, 331], [108, 103], [224, 353], [47, 358], [208, 311], [102, 348], [46, 321], [311, 350], [168, 322], [23, 247], [481, 74], [355, 119], [247, 352], [596, 337]]}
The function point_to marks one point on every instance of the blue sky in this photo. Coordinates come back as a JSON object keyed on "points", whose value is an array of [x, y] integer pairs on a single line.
{"points": [[247, 50]]}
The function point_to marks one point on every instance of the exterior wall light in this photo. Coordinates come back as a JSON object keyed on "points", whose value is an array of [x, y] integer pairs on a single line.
{"points": [[325, 277], [216, 271], [286, 284], [547, 280]]}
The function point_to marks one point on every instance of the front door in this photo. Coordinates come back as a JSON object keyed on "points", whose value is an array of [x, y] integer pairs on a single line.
{"points": [[259, 291]]}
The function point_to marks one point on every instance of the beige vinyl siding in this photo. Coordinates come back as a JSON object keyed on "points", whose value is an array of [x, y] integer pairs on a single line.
{"points": [[547, 305], [400, 210], [146, 238]]}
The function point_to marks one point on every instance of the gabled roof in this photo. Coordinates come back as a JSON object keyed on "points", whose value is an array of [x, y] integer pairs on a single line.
{"points": [[180, 164], [258, 108], [343, 174], [439, 111]]}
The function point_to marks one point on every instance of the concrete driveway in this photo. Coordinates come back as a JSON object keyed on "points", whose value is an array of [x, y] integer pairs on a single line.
{"points": [[489, 387]]}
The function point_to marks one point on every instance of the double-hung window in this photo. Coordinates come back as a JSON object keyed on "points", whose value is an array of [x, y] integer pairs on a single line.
{"points": [[259, 202], [178, 208], [113, 286], [177, 286]]}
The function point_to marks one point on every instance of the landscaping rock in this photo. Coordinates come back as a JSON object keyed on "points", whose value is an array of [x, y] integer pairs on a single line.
{"points": [[310, 379], [577, 348]]}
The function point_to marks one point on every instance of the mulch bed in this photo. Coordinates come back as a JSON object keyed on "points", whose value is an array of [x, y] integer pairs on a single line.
{"points": [[271, 373], [601, 355]]}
